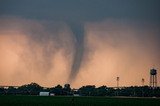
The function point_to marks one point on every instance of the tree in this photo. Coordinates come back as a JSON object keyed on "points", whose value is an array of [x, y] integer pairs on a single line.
{"points": [[32, 89], [11, 90], [67, 89], [88, 90], [2, 91], [57, 90], [101, 91]]}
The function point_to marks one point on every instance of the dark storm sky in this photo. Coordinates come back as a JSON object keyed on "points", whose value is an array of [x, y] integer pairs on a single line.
{"points": [[82, 10]]}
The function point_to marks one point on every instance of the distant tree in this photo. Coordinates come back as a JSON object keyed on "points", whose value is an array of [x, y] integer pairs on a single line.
{"points": [[88, 90], [11, 90], [2, 91], [110, 92], [125, 91], [157, 92], [67, 89], [32, 89], [101, 91], [57, 90]]}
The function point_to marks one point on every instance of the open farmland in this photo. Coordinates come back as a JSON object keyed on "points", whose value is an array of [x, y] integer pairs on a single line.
{"points": [[75, 101]]}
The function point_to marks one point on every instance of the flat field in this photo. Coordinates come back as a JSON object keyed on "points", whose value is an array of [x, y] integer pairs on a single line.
{"points": [[76, 101]]}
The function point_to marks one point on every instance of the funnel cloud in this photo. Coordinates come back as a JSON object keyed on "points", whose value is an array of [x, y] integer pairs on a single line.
{"points": [[78, 31]]}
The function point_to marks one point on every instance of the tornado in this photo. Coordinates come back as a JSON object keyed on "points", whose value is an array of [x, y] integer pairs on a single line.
{"points": [[78, 33]]}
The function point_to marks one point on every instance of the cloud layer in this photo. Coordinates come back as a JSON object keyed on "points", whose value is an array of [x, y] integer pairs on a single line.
{"points": [[44, 52]]}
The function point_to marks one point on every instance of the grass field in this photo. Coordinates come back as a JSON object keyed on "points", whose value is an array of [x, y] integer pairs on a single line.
{"points": [[76, 101]]}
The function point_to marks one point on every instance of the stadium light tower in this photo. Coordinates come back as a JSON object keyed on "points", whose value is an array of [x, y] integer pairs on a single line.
{"points": [[117, 82], [143, 81]]}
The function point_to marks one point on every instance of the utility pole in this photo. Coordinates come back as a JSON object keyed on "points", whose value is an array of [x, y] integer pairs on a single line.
{"points": [[143, 81], [142, 87], [117, 90], [117, 82]]}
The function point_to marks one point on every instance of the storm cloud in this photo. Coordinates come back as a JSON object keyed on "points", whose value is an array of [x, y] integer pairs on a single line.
{"points": [[64, 26]]}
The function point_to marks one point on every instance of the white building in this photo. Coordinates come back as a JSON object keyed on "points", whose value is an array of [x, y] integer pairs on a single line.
{"points": [[43, 93]]}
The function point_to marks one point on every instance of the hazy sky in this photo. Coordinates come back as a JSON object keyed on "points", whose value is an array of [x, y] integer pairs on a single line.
{"points": [[79, 41]]}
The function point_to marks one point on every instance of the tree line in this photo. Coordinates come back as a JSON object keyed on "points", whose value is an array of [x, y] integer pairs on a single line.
{"points": [[88, 90]]}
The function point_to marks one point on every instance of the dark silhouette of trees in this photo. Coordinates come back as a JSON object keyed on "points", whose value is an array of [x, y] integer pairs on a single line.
{"points": [[12, 90], [101, 91], [88, 90], [67, 89], [2, 91], [57, 90], [31, 89]]}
